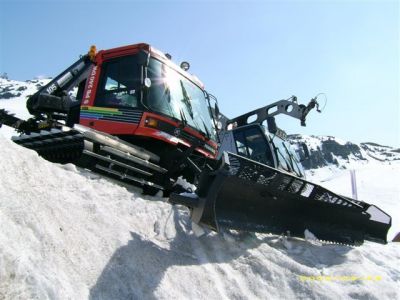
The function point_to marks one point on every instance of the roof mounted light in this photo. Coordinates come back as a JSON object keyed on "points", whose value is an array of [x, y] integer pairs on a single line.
{"points": [[169, 56], [185, 65], [92, 52]]}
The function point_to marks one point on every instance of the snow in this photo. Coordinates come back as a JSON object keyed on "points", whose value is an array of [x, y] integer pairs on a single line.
{"points": [[17, 104], [69, 234], [377, 183]]}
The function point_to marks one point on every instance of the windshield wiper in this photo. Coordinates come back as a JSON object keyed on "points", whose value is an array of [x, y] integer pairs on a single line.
{"points": [[205, 133], [186, 100], [198, 128], [185, 122], [183, 118]]}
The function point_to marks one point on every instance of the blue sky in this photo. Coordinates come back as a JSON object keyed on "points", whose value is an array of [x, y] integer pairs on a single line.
{"points": [[248, 53]]}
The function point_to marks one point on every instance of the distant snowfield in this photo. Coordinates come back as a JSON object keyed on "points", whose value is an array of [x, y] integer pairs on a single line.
{"points": [[17, 105], [69, 234], [377, 183]]}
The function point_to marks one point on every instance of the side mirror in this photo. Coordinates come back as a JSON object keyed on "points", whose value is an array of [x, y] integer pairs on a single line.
{"points": [[147, 82], [272, 128], [216, 110]]}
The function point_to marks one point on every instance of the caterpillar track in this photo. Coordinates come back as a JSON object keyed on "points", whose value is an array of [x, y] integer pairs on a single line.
{"points": [[97, 151]]}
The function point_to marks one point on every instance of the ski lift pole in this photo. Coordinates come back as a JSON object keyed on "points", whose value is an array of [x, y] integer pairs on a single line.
{"points": [[353, 184]]}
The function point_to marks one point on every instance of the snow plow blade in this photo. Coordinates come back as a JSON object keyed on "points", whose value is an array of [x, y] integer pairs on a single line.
{"points": [[245, 195]]}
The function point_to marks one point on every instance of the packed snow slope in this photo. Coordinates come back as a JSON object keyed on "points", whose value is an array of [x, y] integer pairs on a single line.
{"points": [[69, 234]]}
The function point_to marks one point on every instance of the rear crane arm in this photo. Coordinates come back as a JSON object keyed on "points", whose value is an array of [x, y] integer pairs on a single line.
{"points": [[288, 107], [53, 97]]}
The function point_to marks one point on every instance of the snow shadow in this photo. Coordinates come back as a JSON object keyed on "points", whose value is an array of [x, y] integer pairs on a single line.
{"points": [[136, 270], [315, 255]]}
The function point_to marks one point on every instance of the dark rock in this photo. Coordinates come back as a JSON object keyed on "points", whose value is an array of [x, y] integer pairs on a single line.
{"points": [[330, 147], [22, 88], [6, 89], [374, 144], [8, 95], [326, 153]]}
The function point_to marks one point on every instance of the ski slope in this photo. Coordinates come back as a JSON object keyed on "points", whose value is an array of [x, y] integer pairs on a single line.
{"points": [[69, 234]]}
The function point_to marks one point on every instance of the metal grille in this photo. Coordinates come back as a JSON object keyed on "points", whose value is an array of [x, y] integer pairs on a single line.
{"points": [[307, 190], [123, 115], [276, 180], [295, 186]]}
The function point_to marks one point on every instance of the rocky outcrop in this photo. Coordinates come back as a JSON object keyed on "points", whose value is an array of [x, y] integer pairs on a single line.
{"points": [[327, 150]]}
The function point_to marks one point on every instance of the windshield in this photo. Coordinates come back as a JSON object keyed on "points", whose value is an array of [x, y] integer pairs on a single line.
{"points": [[287, 157], [174, 95]]}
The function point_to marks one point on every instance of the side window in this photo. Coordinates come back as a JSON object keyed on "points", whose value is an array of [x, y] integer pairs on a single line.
{"points": [[252, 143], [240, 144], [119, 83], [112, 85]]}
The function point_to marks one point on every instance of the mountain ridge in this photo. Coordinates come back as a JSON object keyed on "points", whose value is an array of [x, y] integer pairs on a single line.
{"points": [[329, 150]]}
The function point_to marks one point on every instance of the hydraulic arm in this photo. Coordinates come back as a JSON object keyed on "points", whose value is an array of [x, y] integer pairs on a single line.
{"points": [[53, 99], [288, 107]]}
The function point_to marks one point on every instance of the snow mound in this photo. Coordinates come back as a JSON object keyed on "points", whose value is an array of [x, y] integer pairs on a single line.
{"points": [[68, 234]]}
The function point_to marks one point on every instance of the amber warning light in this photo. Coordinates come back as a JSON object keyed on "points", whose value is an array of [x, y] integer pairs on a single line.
{"points": [[150, 122], [92, 52]]}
